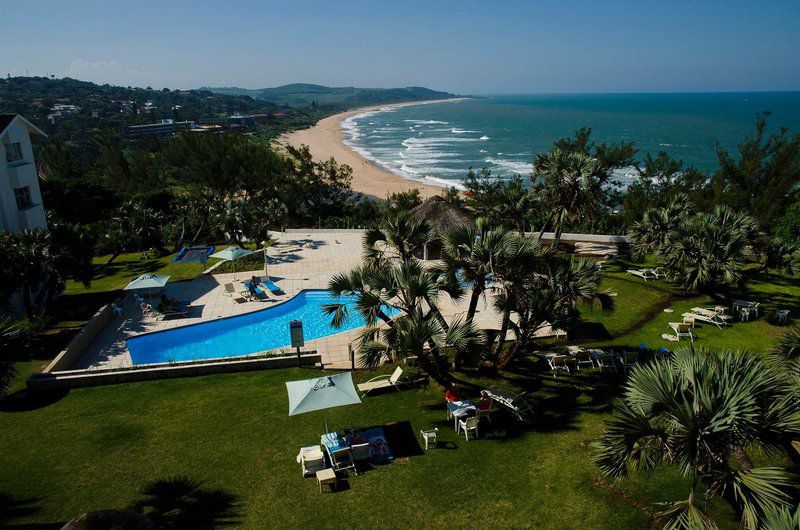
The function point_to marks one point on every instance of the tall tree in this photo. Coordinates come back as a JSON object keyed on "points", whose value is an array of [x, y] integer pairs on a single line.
{"points": [[567, 185], [763, 180]]}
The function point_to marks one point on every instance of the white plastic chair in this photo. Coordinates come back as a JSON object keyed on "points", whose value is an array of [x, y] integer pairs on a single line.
{"points": [[429, 436], [469, 424]]}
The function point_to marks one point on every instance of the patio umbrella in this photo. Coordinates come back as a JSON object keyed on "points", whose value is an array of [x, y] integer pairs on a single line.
{"points": [[308, 395], [147, 281], [232, 254]]}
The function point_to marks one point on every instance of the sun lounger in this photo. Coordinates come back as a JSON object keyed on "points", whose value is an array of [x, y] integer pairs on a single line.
{"points": [[311, 459], [516, 403], [238, 296], [270, 285], [709, 316], [682, 329], [386, 381], [645, 274], [182, 313]]}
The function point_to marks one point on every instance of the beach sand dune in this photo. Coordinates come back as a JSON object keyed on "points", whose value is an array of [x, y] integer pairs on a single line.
{"points": [[326, 139]]}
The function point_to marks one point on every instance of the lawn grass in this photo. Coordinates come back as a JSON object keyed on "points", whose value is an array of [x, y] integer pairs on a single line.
{"points": [[227, 439], [231, 436]]}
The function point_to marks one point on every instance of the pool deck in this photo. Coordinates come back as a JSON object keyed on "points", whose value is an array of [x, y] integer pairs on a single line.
{"points": [[292, 266]]}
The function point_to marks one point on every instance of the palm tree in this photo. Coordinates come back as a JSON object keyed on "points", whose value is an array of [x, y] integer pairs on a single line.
{"points": [[470, 256], [547, 294], [567, 185], [709, 250], [786, 354], [702, 411], [401, 238], [652, 233]]}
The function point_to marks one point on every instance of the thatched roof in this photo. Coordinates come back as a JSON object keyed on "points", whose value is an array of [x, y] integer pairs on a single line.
{"points": [[443, 215]]}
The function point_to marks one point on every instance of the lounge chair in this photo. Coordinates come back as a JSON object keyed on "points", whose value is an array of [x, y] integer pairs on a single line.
{"points": [[682, 329], [709, 316], [182, 313], [629, 359], [359, 453], [559, 363], [385, 381], [607, 361], [271, 286], [581, 356], [516, 403], [645, 274], [238, 296], [342, 459]]}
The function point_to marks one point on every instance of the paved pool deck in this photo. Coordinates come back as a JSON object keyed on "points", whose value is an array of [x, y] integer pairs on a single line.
{"points": [[300, 260]]}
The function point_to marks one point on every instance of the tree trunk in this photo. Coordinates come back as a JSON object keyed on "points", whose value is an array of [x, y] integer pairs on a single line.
{"points": [[477, 289], [544, 226], [501, 337], [110, 260], [741, 457]]}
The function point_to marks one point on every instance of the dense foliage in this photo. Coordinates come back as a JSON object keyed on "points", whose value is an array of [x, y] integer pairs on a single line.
{"points": [[706, 412]]}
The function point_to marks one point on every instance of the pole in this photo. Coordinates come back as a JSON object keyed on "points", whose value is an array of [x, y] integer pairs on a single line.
{"points": [[298, 356], [352, 356]]}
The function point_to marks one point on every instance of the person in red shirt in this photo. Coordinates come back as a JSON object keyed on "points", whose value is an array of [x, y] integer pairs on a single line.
{"points": [[452, 394], [485, 402]]}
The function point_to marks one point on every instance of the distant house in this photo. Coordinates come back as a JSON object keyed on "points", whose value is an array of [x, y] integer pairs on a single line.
{"points": [[165, 128], [20, 198]]}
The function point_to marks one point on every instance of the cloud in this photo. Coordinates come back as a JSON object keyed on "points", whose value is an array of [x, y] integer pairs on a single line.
{"points": [[114, 72]]}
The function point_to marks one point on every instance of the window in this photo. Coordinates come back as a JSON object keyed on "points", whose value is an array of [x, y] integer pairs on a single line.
{"points": [[13, 152], [23, 196]]}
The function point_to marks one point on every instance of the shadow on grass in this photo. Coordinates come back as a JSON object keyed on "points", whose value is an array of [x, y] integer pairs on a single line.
{"points": [[402, 440], [12, 508], [181, 502], [24, 400]]}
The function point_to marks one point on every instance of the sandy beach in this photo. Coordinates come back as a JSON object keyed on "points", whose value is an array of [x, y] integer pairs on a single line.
{"points": [[326, 139]]}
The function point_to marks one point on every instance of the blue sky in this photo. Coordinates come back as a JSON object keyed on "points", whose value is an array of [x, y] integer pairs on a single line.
{"points": [[466, 46]]}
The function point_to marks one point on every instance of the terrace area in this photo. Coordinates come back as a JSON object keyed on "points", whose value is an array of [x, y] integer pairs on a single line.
{"points": [[299, 260]]}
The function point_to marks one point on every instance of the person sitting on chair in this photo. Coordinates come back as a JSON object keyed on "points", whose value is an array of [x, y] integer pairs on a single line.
{"points": [[452, 393], [252, 286], [485, 402], [168, 303]]}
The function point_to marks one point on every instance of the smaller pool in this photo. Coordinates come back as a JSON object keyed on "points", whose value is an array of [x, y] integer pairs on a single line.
{"points": [[189, 254], [267, 329]]}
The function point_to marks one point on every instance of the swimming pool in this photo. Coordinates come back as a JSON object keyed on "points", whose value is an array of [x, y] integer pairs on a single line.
{"points": [[267, 329]]}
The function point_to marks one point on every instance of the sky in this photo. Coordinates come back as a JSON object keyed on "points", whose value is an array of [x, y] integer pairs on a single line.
{"points": [[465, 47]]}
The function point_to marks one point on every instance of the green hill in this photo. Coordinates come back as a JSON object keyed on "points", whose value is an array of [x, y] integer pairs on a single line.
{"points": [[304, 94]]}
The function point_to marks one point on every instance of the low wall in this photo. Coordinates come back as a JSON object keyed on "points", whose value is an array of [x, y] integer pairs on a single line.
{"points": [[66, 379], [66, 359]]}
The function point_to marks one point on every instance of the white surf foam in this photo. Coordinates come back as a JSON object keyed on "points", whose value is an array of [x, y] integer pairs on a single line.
{"points": [[512, 166]]}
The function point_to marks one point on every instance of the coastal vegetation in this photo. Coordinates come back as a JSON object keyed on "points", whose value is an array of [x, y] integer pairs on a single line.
{"points": [[122, 207]]}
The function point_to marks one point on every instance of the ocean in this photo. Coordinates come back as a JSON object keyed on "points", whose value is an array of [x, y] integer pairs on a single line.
{"points": [[438, 142]]}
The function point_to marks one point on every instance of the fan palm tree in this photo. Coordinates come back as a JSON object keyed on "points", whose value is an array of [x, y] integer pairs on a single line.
{"points": [[709, 250], [567, 184], [401, 238], [470, 256], [701, 411], [652, 233], [786, 354]]}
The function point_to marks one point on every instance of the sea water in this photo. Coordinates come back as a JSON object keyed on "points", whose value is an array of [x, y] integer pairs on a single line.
{"points": [[438, 142]]}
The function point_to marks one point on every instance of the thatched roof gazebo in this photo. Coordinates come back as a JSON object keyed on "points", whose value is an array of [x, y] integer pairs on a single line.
{"points": [[444, 216]]}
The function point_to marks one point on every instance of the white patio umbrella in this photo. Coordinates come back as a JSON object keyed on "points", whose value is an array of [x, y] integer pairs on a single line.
{"points": [[308, 395], [232, 254], [147, 281]]}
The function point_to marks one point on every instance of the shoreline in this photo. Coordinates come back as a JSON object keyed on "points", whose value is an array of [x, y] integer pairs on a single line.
{"points": [[326, 138]]}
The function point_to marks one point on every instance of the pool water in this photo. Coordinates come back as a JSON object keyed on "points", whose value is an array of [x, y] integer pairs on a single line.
{"points": [[267, 329]]}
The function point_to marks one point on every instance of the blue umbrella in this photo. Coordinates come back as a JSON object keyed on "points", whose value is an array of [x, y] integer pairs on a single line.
{"points": [[308, 395]]}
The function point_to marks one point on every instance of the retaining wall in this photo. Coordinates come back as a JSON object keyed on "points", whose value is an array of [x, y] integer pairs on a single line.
{"points": [[83, 378], [66, 359]]}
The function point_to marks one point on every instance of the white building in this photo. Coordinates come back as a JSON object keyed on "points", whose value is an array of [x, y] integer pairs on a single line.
{"points": [[20, 199]]}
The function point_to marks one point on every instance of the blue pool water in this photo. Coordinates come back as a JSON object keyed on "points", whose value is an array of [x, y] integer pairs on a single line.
{"points": [[245, 334]]}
